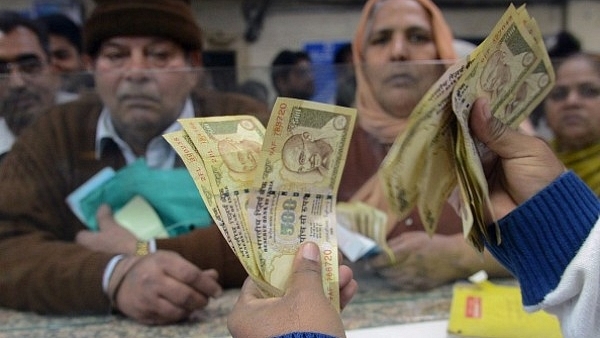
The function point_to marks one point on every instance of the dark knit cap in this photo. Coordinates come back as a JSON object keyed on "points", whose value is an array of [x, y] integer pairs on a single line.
{"points": [[171, 19]]}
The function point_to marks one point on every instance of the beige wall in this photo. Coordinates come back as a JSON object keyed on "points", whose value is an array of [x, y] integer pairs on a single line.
{"points": [[224, 25], [584, 22], [294, 27]]}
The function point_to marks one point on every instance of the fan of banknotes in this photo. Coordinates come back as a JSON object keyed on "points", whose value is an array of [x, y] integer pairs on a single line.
{"points": [[361, 219], [436, 153], [270, 190]]}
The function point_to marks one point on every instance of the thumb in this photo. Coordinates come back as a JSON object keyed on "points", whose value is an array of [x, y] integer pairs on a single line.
{"points": [[497, 136], [306, 271], [104, 216]]}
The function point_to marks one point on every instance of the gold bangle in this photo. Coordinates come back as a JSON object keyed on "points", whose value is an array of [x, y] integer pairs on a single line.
{"points": [[141, 248]]}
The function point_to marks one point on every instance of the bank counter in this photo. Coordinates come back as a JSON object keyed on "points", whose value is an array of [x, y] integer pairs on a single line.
{"points": [[375, 305]]}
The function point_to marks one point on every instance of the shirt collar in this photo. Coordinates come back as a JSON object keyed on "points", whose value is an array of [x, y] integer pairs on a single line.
{"points": [[159, 153], [7, 138]]}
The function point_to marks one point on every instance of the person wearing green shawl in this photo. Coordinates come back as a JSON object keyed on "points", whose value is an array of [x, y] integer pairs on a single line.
{"points": [[573, 114]]}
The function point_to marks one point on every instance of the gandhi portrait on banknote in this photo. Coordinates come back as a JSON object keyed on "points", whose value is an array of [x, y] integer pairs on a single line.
{"points": [[303, 154], [240, 156], [496, 74]]}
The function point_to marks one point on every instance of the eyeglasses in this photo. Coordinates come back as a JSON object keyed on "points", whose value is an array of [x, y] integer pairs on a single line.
{"points": [[29, 65], [584, 90]]}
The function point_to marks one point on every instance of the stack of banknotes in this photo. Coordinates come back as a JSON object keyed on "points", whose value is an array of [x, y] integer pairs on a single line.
{"points": [[357, 219], [436, 153], [269, 190]]}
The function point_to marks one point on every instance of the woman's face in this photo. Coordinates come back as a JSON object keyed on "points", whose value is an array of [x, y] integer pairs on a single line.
{"points": [[573, 106], [399, 39]]}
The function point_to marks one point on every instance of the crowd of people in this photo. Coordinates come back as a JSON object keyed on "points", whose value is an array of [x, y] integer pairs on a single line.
{"points": [[58, 131], [46, 253]]}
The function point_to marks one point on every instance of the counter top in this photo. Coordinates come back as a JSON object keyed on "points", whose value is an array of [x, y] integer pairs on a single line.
{"points": [[375, 305]]}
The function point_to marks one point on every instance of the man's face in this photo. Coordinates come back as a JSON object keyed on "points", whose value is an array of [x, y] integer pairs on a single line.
{"points": [[64, 57], [144, 82], [573, 106], [300, 82], [400, 35], [27, 86]]}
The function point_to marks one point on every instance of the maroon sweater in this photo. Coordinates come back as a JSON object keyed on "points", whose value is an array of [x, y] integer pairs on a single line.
{"points": [[365, 155], [41, 268]]}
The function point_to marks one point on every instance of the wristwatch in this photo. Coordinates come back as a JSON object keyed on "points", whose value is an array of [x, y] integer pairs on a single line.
{"points": [[141, 248]]}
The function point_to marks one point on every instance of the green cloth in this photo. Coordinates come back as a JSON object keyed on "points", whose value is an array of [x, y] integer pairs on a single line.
{"points": [[172, 193], [584, 162]]}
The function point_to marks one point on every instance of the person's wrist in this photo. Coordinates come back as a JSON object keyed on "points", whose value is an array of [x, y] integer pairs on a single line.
{"points": [[109, 270], [118, 276]]}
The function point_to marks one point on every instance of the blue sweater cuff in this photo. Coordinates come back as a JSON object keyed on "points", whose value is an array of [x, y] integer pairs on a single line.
{"points": [[305, 335], [541, 237]]}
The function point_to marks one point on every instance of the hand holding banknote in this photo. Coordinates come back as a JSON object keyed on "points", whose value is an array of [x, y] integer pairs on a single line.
{"points": [[436, 153], [269, 190], [313, 312], [514, 172]]}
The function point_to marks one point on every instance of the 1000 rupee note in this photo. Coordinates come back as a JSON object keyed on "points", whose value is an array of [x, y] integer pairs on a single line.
{"points": [[294, 194]]}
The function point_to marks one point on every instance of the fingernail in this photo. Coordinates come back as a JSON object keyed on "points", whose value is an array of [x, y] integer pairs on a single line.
{"points": [[310, 251]]}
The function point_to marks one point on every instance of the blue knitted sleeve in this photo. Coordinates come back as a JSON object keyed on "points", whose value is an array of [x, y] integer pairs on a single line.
{"points": [[541, 236], [305, 335]]}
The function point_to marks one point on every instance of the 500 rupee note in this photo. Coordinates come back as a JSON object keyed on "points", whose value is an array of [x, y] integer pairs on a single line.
{"points": [[230, 149], [185, 148], [294, 194], [436, 151], [512, 69], [418, 170]]}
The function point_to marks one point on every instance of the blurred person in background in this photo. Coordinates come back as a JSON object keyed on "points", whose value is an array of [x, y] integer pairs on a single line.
{"points": [[573, 115], [292, 75], [393, 49], [144, 55], [345, 78], [27, 85], [66, 47], [559, 46], [254, 88]]}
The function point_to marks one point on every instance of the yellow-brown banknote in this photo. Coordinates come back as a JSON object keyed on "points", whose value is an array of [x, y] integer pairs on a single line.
{"points": [[230, 149], [294, 195]]}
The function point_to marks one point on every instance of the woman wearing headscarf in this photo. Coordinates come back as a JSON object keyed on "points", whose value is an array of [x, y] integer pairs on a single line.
{"points": [[401, 47], [573, 114]]}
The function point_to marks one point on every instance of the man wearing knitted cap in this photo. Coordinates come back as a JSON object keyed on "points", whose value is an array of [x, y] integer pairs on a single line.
{"points": [[142, 53]]}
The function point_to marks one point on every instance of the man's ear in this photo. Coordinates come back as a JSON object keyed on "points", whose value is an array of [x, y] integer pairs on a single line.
{"points": [[195, 58], [195, 61]]}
